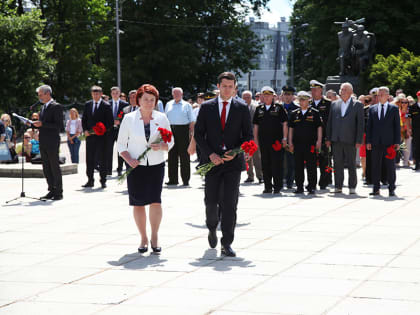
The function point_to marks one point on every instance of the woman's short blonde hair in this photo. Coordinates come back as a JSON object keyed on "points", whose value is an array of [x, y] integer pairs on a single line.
{"points": [[6, 117], [75, 111]]}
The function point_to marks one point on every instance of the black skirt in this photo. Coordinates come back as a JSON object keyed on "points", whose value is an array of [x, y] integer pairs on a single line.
{"points": [[145, 184]]}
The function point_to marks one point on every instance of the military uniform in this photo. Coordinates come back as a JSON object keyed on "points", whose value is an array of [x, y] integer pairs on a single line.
{"points": [[305, 134], [324, 157], [414, 114], [270, 128]]}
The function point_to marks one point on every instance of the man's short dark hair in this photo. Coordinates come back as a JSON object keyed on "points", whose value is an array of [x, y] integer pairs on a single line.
{"points": [[226, 75]]}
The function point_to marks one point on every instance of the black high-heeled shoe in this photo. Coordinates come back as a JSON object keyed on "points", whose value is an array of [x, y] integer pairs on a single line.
{"points": [[143, 249], [155, 249]]}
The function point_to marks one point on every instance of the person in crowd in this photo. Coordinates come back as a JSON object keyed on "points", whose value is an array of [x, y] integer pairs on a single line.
{"points": [[50, 124], [10, 134], [411, 100], [145, 181], [105, 98], [383, 131], [305, 140], [255, 160], [222, 124], [35, 144], [123, 97], [414, 115], [132, 102], [367, 99], [345, 134], [289, 105], [73, 130], [35, 116], [332, 95], [181, 117], [270, 131], [159, 107], [257, 97], [2, 132], [192, 147], [402, 102], [323, 106], [95, 111], [117, 106], [24, 148]]}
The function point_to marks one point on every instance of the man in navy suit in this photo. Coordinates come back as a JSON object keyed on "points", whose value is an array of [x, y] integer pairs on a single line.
{"points": [[96, 110], [223, 124], [383, 131]]}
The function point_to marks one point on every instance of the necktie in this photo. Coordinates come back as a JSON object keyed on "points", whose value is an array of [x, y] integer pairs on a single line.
{"points": [[223, 116], [115, 108], [94, 108], [382, 111]]}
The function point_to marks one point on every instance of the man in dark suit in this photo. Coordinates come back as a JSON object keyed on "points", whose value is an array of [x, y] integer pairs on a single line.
{"points": [[383, 131], [117, 106], [50, 124], [345, 133], [223, 124], [96, 110]]}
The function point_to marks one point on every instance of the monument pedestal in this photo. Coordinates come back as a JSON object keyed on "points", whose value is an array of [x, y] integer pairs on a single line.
{"points": [[334, 82]]}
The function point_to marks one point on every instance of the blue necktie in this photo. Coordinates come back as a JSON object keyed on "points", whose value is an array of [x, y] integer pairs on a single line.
{"points": [[382, 111]]}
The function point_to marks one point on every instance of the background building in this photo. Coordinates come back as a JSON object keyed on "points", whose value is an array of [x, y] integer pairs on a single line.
{"points": [[272, 62]]}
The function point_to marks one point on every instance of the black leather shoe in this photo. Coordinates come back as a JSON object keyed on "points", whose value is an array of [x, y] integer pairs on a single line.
{"points": [[143, 249], [87, 185], [186, 184], [276, 191], [392, 193], [119, 173], [311, 191], [322, 187], [156, 250], [50, 195], [260, 181], [267, 191], [212, 239], [298, 191], [228, 251], [103, 185], [374, 193], [171, 183], [57, 197], [249, 180]]}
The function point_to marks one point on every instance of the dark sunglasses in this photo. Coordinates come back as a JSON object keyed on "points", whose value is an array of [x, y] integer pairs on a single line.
{"points": [[27, 137], [404, 102], [367, 101]]}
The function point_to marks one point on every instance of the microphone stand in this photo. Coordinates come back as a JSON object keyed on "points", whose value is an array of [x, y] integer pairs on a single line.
{"points": [[22, 193]]}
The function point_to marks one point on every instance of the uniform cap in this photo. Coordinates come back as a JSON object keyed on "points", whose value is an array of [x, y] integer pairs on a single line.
{"points": [[287, 88], [267, 90], [303, 94], [374, 91], [315, 83], [209, 95]]}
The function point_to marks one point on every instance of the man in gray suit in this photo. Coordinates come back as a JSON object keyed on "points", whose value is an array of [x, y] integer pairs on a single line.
{"points": [[345, 129]]}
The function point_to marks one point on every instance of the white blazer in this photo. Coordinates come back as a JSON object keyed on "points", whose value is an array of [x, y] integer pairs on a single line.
{"points": [[131, 136]]}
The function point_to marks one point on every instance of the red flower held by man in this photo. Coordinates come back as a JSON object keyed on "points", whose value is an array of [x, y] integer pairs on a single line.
{"points": [[276, 145], [99, 129], [249, 147], [391, 153], [120, 115], [312, 149]]}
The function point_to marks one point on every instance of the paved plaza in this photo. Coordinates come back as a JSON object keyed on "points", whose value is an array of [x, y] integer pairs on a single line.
{"points": [[296, 255]]}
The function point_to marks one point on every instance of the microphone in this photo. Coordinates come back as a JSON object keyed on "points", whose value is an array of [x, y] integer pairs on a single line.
{"points": [[33, 105]]}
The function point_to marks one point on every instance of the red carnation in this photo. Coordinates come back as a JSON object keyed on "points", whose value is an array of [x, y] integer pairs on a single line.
{"points": [[247, 166], [276, 145], [312, 149], [120, 115], [165, 134], [99, 129], [391, 153]]}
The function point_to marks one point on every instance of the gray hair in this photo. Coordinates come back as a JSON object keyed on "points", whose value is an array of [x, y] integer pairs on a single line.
{"points": [[384, 88], [247, 92], [115, 88], [132, 91], [44, 89], [346, 84], [179, 89]]}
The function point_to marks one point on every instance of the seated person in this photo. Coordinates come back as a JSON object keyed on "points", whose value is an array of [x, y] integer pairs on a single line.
{"points": [[27, 147], [35, 143]]}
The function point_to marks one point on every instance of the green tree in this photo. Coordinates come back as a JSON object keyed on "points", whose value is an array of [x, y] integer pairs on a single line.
{"points": [[395, 23], [183, 43], [397, 71], [23, 56]]}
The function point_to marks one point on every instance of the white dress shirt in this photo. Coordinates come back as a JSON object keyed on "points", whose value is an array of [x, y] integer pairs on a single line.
{"points": [[95, 107], [132, 138], [221, 106], [380, 109], [344, 106]]}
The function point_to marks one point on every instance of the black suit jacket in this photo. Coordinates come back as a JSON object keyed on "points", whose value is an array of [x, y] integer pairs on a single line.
{"points": [[52, 124], [121, 105], [383, 132], [208, 131], [102, 114]]}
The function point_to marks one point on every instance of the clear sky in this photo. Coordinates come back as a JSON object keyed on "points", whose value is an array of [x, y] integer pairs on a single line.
{"points": [[278, 8]]}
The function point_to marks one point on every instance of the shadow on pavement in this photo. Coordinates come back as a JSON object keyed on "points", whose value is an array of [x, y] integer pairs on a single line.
{"points": [[136, 261], [221, 263]]}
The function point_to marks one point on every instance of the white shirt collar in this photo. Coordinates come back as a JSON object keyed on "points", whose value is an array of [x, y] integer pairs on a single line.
{"points": [[97, 103], [221, 106], [317, 101], [348, 101], [48, 103], [304, 111], [221, 101]]}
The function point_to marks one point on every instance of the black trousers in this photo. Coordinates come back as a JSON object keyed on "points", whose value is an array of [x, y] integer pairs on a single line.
{"points": [[110, 141], [51, 169], [415, 146], [289, 168], [221, 194], [378, 160], [301, 155], [272, 167], [96, 155], [181, 134], [323, 159], [368, 166]]}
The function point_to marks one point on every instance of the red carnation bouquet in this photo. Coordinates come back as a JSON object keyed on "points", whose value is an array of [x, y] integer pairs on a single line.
{"points": [[276, 145], [164, 135], [248, 147], [390, 152], [99, 130]]}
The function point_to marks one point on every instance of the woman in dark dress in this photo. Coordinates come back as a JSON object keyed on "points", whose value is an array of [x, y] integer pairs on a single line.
{"points": [[138, 131]]}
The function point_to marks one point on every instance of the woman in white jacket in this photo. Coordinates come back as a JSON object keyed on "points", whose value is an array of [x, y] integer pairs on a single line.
{"points": [[137, 132]]}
